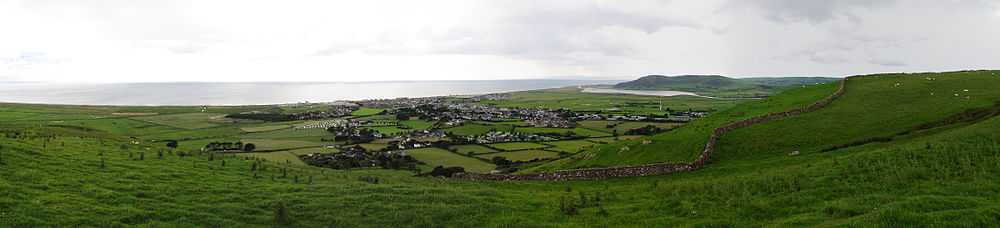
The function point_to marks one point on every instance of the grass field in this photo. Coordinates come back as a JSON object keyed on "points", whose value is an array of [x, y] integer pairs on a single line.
{"points": [[613, 139], [517, 146], [374, 146], [186, 120], [563, 131], [570, 146], [265, 128], [65, 176], [474, 149], [685, 143], [476, 129], [622, 126], [367, 112], [282, 144], [522, 155], [417, 124], [440, 157], [289, 133], [572, 98]]}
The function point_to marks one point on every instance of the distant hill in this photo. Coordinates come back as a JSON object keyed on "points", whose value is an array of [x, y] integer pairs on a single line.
{"points": [[720, 86]]}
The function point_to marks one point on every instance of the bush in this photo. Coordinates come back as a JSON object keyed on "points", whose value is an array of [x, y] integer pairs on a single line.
{"points": [[369, 179], [441, 171]]}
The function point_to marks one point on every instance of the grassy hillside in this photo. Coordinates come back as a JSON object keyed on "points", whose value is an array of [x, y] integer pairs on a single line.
{"points": [[684, 143], [873, 109], [720, 86], [946, 176]]}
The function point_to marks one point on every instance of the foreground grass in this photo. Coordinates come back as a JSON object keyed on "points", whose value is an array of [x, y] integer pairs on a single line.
{"points": [[941, 180], [51, 176]]}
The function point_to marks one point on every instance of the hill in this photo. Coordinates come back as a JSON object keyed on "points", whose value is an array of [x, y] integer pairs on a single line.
{"points": [[873, 108], [720, 86], [895, 151]]}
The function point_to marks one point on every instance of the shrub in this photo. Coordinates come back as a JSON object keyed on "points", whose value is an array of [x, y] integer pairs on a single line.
{"points": [[441, 171], [369, 179]]}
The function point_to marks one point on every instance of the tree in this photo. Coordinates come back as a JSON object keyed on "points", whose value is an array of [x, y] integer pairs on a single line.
{"points": [[249, 147], [501, 161]]}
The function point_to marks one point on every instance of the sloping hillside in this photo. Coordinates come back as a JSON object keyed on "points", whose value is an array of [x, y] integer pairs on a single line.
{"points": [[873, 108], [720, 86], [685, 143]]}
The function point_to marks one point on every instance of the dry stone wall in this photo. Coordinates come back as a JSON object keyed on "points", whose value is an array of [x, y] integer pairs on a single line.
{"points": [[657, 168]]}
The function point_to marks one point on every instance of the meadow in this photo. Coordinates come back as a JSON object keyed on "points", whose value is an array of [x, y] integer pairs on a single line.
{"points": [[521, 155], [933, 165], [367, 112], [571, 98], [511, 146], [473, 149], [440, 157]]}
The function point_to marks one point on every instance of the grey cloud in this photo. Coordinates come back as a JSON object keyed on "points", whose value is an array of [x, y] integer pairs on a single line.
{"points": [[558, 35], [887, 63], [811, 11]]}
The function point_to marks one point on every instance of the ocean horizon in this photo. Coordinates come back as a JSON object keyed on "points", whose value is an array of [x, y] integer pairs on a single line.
{"points": [[259, 93]]}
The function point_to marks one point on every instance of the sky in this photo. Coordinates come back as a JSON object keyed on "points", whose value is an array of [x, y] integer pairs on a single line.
{"points": [[374, 40]]}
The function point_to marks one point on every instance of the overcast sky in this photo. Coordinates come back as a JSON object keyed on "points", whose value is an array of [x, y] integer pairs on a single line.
{"points": [[370, 40]]}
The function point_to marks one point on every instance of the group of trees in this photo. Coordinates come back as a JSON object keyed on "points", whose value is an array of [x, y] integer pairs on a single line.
{"points": [[360, 159], [224, 146], [646, 130]]}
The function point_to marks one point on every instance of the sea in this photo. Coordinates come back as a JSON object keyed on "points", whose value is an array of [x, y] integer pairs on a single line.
{"points": [[257, 93]]}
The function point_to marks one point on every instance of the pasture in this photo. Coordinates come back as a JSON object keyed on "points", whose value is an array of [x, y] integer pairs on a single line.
{"points": [[511, 146], [363, 112], [440, 157], [472, 148], [522, 155], [570, 146], [186, 120]]}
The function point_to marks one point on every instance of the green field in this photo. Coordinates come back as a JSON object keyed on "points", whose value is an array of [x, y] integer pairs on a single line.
{"points": [[440, 157], [73, 172], [584, 132], [476, 129], [572, 98], [517, 146], [186, 120], [282, 144], [570, 146], [522, 155], [417, 124], [289, 133], [265, 128], [367, 112], [685, 143], [622, 126], [474, 149]]}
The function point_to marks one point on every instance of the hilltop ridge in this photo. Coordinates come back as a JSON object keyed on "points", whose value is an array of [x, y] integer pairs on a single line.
{"points": [[721, 86]]}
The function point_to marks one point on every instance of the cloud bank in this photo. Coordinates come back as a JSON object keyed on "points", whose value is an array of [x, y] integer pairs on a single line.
{"points": [[153, 41]]}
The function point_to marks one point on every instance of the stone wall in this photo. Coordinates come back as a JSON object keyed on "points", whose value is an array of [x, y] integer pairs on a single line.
{"points": [[657, 168]]}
